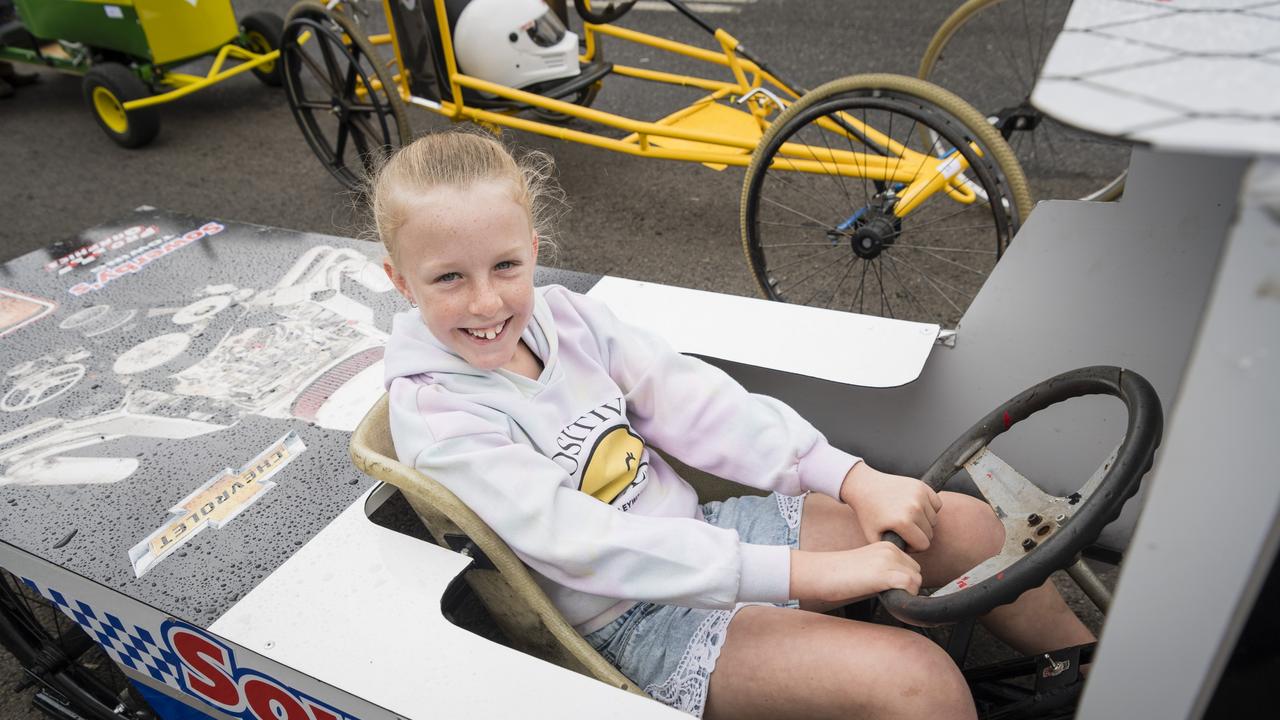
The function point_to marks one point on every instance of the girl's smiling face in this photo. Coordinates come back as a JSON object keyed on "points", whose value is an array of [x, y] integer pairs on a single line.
{"points": [[465, 256]]}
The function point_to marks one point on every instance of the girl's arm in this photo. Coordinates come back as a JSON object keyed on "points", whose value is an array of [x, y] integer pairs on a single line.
{"points": [[566, 535], [707, 419]]}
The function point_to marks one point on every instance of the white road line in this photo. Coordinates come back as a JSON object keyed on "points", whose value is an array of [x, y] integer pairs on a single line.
{"points": [[710, 8]]}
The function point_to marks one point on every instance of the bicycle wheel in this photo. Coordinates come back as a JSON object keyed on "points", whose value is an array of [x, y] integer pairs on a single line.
{"points": [[340, 93], [76, 676], [990, 52], [832, 236]]}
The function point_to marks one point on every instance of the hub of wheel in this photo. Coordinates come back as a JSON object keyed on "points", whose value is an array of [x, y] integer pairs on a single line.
{"points": [[878, 230]]}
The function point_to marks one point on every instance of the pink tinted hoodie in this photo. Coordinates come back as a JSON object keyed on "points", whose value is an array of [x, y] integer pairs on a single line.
{"points": [[561, 468]]}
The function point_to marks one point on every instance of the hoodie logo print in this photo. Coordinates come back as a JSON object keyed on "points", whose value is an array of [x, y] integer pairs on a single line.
{"points": [[613, 465]]}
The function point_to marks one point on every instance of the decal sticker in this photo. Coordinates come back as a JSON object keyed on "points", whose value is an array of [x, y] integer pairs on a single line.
{"points": [[89, 253], [216, 503], [151, 354], [194, 663], [140, 257], [40, 387], [112, 322], [299, 348], [82, 318], [201, 309], [18, 310], [114, 12]]}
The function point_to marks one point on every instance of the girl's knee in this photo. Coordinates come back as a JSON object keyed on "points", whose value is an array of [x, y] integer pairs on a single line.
{"points": [[923, 682], [982, 533]]}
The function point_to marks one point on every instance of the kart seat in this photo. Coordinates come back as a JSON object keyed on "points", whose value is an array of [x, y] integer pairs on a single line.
{"points": [[499, 578]]}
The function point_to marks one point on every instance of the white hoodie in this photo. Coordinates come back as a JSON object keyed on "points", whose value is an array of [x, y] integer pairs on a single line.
{"points": [[560, 467]]}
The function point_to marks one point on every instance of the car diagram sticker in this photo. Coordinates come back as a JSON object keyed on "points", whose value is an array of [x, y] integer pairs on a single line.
{"points": [[18, 309], [216, 503]]}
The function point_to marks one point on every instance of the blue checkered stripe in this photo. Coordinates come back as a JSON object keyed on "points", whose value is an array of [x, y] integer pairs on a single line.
{"points": [[134, 648]]}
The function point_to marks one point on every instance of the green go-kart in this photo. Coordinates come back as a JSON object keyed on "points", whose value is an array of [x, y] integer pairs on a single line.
{"points": [[127, 51]]}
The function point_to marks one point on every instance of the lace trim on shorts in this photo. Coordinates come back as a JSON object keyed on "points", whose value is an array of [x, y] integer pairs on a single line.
{"points": [[686, 688], [790, 507]]}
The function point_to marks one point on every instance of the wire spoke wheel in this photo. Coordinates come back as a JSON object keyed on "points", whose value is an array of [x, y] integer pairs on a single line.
{"points": [[71, 669], [341, 93], [1013, 37], [831, 234]]}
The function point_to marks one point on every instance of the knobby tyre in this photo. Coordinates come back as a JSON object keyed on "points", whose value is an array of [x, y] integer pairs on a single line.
{"points": [[1013, 38], [830, 238], [341, 93]]}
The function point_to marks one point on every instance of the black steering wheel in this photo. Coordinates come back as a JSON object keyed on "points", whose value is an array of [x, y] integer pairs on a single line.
{"points": [[604, 11], [1043, 532]]}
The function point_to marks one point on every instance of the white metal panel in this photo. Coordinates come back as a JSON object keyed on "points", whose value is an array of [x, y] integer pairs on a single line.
{"points": [[358, 607], [826, 344]]}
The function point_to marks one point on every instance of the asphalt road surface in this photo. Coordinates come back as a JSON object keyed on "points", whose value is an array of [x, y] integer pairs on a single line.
{"points": [[234, 152]]}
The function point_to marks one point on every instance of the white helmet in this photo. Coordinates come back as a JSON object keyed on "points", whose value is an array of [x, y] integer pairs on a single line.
{"points": [[514, 42]]}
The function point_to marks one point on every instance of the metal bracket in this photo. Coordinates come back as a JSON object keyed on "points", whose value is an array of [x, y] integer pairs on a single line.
{"points": [[777, 102], [463, 545]]}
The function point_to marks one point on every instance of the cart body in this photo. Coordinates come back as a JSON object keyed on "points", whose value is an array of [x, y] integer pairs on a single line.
{"points": [[160, 31]]}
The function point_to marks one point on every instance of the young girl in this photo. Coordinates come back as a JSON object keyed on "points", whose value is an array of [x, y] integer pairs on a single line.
{"points": [[537, 408]]}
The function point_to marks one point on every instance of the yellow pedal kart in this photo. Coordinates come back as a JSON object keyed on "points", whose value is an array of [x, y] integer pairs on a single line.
{"points": [[128, 50], [875, 194]]}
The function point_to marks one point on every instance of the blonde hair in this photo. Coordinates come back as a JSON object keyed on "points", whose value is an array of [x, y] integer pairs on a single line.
{"points": [[460, 160]]}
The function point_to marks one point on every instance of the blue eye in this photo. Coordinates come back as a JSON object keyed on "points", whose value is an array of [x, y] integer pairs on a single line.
{"points": [[448, 277], [504, 265]]}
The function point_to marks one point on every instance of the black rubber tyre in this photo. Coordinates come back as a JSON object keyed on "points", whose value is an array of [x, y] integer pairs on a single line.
{"points": [[1015, 37], [106, 87], [603, 11], [260, 32], [829, 239], [322, 77], [71, 668]]}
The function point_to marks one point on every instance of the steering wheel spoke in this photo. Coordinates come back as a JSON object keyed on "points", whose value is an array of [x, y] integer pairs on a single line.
{"points": [[1005, 489]]}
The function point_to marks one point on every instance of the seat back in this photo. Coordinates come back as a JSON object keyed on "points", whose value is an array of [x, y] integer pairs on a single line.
{"points": [[504, 584]]}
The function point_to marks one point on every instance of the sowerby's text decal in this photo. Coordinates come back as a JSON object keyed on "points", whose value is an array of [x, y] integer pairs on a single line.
{"points": [[132, 261], [216, 502], [90, 253], [209, 672]]}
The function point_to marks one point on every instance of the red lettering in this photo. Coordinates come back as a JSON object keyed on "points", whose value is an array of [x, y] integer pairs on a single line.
{"points": [[269, 702], [205, 668], [80, 289]]}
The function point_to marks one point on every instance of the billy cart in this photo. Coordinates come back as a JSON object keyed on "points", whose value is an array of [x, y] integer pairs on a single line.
{"points": [[876, 194], [129, 52]]}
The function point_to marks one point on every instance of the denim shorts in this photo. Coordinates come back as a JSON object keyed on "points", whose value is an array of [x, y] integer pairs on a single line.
{"points": [[670, 651]]}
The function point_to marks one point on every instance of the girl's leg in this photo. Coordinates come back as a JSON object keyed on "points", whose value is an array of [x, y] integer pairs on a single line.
{"points": [[967, 533], [780, 663]]}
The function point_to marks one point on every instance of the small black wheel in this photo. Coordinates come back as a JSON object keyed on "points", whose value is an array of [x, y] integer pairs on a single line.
{"points": [[1043, 532], [75, 675], [830, 218], [260, 32], [602, 11], [345, 101], [990, 52], [107, 87]]}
